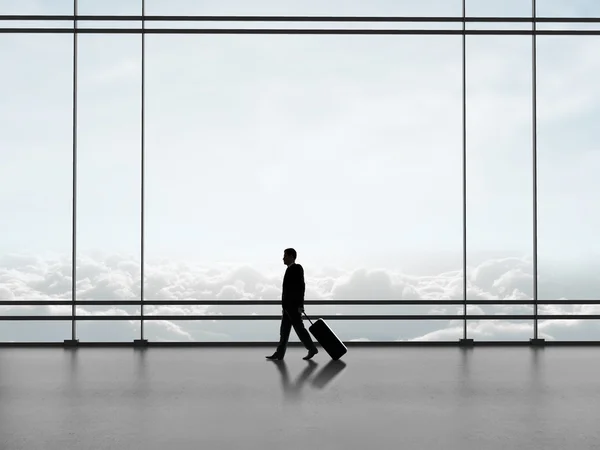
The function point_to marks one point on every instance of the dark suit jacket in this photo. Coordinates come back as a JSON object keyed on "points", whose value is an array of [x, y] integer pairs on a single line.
{"points": [[292, 294]]}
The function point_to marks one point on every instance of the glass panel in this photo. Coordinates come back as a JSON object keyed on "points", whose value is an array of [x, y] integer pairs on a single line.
{"points": [[110, 24], [498, 309], [108, 310], [498, 26], [36, 7], [570, 26], [567, 8], [311, 310], [568, 166], [499, 168], [38, 331], [568, 308], [500, 330], [20, 24], [306, 7], [109, 167], [36, 172], [36, 310], [303, 25], [570, 329], [495, 8], [108, 330], [109, 7], [268, 330]]}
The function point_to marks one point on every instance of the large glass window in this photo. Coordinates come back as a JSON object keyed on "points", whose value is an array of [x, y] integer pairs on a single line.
{"points": [[346, 147]]}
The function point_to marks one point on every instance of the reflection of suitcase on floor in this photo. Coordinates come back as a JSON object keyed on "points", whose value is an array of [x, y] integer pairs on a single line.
{"points": [[327, 338]]}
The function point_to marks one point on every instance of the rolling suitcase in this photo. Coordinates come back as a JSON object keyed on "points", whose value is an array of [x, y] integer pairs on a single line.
{"points": [[327, 338]]}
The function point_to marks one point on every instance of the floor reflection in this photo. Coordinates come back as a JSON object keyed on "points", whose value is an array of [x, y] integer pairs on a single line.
{"points": [[293, 390], [328, 373]]}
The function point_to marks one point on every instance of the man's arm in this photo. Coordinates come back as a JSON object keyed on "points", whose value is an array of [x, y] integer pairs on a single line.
{"points": [[299, 286]]}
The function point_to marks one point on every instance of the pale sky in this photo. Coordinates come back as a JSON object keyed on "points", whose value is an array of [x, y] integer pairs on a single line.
{"points": [[360, 136], [347, 148]]}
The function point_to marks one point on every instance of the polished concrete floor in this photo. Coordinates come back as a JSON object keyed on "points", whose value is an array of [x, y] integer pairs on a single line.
{"points": [[232, 398]]}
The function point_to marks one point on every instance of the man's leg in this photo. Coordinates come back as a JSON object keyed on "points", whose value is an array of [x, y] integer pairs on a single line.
{"points": [[284, 334], [301, 331]]}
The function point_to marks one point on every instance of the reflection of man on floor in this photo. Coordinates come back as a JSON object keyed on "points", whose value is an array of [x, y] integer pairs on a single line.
{"points": [[319, 381], [292, 391]]}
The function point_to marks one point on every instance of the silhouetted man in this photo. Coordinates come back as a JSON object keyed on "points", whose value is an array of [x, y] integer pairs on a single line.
{"points": [[292, 305]]}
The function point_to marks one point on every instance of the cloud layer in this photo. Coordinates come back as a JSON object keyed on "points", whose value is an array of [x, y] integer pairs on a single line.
{"points": [[115, 277]]}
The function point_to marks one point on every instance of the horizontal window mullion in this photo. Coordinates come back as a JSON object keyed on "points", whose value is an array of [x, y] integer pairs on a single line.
{"points": [[325, 317]]}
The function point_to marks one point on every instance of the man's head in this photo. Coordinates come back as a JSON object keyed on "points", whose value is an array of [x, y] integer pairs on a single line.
{"points": [[289, 256]]}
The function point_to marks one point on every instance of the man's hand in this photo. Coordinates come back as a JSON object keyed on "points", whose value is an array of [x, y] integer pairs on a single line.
{"points": [[300, 309]]}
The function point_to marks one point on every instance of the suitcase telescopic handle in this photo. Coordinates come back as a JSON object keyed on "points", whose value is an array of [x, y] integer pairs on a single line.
{"points": [[307, 317]]}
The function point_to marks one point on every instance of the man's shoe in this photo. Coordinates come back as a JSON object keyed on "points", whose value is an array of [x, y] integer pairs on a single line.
{"points": [[311, 353], [274, 357]]}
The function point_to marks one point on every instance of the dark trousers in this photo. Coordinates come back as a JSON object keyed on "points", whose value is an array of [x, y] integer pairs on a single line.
{"points": [[291, 317]]}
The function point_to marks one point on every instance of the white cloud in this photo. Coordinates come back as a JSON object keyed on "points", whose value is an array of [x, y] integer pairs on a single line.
{"points": [[6, 293], [168, 331], [116, 277]]}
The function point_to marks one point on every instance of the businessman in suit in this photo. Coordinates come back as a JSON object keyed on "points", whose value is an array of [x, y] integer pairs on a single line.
{"points": [[292, 305]]}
